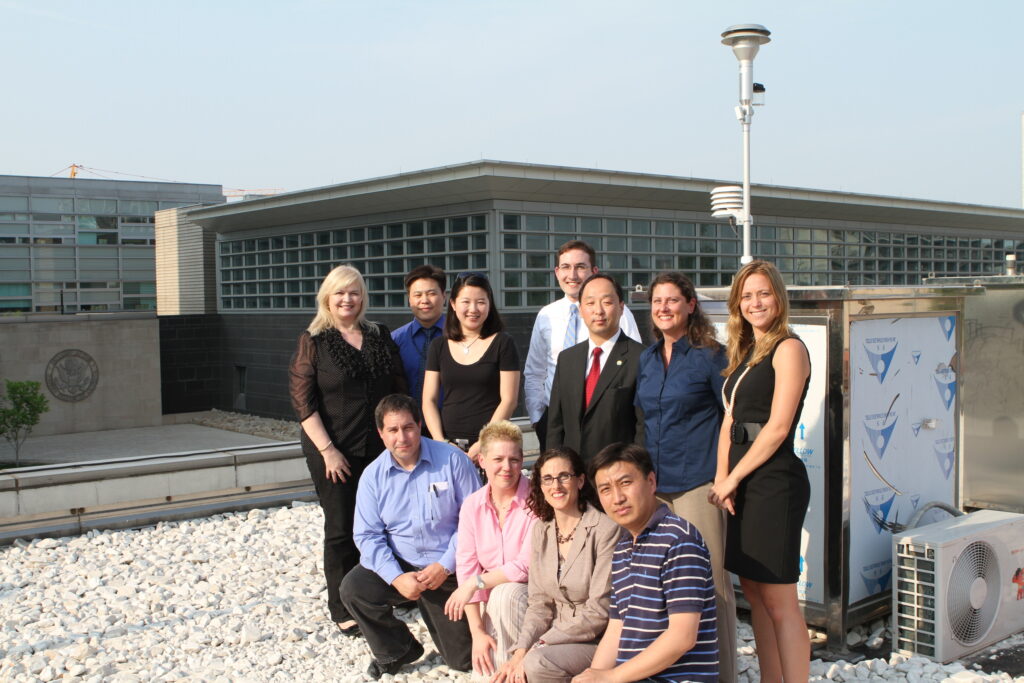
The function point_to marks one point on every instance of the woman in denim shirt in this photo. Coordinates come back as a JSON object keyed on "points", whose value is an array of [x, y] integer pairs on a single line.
{"points": [[679, 389]]}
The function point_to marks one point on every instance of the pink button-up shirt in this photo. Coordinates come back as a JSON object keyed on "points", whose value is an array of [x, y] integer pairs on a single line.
{"points": [[483, 546]]}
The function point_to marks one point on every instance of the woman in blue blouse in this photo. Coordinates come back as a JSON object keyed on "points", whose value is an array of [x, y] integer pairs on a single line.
{"points": [[679, 389]]}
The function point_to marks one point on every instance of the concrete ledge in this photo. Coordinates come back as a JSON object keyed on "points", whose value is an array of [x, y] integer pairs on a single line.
{"points": [[62, 499]]}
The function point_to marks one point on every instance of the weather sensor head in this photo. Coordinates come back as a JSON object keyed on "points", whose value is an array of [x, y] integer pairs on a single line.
{"points": [[745, 39]]}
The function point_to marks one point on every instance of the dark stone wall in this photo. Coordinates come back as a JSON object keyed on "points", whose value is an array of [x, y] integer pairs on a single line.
{"points": [[203, 356], [191, 365]]}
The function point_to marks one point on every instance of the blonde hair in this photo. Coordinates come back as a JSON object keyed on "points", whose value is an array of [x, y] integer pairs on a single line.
{"points": [[502, 430], [339, 278], [740, 333]]}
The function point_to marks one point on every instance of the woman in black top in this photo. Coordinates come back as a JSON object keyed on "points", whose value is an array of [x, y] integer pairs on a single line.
{"points": [[476, 365], [759, 479], [342, 367]]}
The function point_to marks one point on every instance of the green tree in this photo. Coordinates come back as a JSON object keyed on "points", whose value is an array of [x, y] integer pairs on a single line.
{"points": [[19, 413]]}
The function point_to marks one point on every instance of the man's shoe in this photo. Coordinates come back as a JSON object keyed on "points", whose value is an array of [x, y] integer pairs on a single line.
{"points": [[376, 669]]}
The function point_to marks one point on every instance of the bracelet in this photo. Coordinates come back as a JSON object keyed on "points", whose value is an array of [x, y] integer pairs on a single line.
{"points": [[329, 444]]}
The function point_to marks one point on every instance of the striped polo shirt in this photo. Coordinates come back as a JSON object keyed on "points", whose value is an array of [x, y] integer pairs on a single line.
{"points": [[666, 571]]}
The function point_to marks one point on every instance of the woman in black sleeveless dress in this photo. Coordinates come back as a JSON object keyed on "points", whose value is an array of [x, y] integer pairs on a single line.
{"points": [[760, 481], [342, 367]]}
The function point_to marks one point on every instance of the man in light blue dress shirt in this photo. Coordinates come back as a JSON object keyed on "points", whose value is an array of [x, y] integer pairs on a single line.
{"points": [[406, 523]]}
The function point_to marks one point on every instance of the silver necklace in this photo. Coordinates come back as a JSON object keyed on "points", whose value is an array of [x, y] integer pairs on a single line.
{"points": [[466, 347]]}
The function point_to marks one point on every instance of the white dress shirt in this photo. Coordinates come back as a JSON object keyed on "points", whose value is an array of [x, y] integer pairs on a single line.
{"points": [[546, 343], [606, 350]]}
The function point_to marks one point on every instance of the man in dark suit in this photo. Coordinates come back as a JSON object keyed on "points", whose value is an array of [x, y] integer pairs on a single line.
{"points": [[592, 392]]}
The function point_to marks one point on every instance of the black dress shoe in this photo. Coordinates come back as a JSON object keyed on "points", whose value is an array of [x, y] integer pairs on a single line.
{"points": [[376, 669]]}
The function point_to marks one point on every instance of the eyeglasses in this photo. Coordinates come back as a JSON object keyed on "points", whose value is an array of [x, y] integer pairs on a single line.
{"points": [[564, 478]]}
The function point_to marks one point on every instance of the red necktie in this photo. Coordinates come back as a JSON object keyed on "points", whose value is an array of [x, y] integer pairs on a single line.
{"points": [[595, 372]]}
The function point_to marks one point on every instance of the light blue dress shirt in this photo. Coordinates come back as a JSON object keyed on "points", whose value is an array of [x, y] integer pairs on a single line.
{"points": [[412, 515]]}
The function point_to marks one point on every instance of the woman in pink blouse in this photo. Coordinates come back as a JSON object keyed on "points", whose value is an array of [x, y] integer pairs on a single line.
{"points": [[493, 552]]}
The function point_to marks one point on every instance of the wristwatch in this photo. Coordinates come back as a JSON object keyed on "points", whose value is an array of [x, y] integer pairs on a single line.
{"points": [[480, 585]]}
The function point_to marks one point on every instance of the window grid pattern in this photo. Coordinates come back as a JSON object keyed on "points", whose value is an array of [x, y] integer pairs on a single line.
{"points": [[67, 254], [633, 250], [628, 249], [284, 272]]}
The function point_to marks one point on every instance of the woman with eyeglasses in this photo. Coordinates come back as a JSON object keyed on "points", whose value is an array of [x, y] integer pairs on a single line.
{"points": [[679, 389], [570, 575], [475, 363], [342, 367]]}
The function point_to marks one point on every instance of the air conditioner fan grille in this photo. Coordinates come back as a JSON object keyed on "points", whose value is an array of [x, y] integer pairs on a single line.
{"points": [[973, 597]]}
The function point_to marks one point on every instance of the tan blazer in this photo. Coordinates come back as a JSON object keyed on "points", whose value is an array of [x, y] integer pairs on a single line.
{"points": [[575, 608]]}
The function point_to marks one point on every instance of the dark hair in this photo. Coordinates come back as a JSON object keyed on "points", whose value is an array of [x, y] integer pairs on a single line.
{"points": [[493, 323], [536, 502], [609, 278], [577, 244], [426, 272], [396, 403], [699, 329], [621, 452]]}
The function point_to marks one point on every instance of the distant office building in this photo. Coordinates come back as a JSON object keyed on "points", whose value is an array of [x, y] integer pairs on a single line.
{"points": [[268, 255], [75, 244]]}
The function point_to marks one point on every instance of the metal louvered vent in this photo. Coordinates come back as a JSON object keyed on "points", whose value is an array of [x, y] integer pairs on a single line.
{"points": [[915, 599], [973, 599]]}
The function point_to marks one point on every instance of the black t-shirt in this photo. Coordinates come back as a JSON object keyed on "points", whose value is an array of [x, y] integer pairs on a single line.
{"points": [[471, 392]]}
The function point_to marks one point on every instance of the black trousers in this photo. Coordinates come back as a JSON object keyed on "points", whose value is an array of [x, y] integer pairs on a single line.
{"points": [[338, 501], [540, 427], [371, 602]]}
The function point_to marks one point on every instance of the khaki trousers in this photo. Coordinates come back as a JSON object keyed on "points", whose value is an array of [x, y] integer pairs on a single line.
{"points": [[693, 506]]}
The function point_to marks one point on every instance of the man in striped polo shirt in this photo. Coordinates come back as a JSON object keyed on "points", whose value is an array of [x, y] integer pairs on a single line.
{"points": [[662, 615]]}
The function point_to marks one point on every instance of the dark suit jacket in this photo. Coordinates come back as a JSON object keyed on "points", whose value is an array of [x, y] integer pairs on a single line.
{"points": [[611, 415]]}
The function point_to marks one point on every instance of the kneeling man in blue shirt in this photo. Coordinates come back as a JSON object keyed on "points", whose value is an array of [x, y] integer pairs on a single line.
{"points": [[662, 615], [406, 523]]}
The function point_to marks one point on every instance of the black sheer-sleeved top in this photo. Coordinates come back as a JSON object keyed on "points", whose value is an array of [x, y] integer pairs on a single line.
{"points": [[343, 384]]}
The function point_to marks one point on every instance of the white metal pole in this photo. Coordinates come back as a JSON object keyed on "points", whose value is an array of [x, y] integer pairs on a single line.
{"points": [[747, 254]]}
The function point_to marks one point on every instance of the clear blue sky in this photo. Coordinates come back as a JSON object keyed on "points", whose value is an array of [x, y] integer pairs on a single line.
{"points": [[911, 98]]}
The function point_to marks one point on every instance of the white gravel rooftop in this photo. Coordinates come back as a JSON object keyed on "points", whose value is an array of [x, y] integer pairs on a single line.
{"points": [[234, 597]]}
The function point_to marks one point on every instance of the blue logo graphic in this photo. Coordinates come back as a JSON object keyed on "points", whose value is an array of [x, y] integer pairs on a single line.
{"points": [[948, 325], [945, 382], [916, 426], [915, 499], [878, 504], [801, 564], [879, 428], [916, 355], [802, 431], [876, 577], [880, 351], [944, 453]]}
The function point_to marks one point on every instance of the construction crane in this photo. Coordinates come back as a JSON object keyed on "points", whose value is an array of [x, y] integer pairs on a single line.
{"points": [[239, 193]]}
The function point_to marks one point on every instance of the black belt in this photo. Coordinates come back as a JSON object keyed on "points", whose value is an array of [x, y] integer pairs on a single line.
{"points": [[744, 432]]}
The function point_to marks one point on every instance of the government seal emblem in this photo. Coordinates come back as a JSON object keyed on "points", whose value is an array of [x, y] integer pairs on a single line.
{"points": [[71, 375]]}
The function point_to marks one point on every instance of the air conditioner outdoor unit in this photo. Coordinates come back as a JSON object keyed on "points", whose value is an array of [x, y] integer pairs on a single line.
{"points": [[959, 584]]}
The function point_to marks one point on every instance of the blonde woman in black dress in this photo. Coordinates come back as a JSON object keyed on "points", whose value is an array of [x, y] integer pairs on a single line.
{"points": [[343, 365], [760, 481]]}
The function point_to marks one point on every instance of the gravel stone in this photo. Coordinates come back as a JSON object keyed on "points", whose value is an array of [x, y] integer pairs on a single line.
{"points": [[239, 597]]}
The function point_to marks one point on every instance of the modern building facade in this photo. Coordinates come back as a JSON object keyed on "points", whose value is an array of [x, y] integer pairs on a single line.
{"points": [[508, 219], [71, 245]]}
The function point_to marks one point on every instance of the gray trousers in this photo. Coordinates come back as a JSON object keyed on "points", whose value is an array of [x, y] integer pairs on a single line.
{"points": [[558, 663], [693, 506]]}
